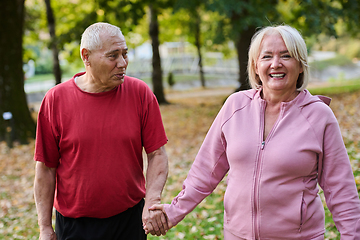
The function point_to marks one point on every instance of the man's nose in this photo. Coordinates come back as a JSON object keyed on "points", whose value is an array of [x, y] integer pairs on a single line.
{"points": [[122, 62]]}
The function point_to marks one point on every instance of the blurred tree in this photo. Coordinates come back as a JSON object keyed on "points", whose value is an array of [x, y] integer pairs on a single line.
{"points": [[311, 17], [321, 16], [17, 124], [157, 78], [350, 15], [32, 27], [53, 41], [193, 8], [239, 23]]}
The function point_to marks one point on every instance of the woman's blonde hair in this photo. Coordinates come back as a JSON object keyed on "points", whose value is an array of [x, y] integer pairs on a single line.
{"points": [[91, 40], [295, 44]]}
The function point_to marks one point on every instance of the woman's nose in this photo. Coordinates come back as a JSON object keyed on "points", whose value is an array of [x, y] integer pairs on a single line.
{"points": [[276, 63]]}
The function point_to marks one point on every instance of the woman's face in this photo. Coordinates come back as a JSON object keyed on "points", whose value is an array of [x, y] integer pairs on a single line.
{"points": [[277, 70]]}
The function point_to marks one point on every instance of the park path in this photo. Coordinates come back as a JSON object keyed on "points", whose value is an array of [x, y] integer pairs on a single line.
{"points": [[35, 98]]}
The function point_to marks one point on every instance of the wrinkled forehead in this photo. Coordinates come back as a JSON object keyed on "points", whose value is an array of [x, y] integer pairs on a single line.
{"points": [[113, 41]]}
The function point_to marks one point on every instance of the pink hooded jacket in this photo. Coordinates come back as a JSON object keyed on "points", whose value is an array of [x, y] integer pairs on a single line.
{"points": [[272, 185]]}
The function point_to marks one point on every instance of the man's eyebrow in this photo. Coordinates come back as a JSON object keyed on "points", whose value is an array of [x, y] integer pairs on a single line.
{"points": [[113, 51], [117, 50]]}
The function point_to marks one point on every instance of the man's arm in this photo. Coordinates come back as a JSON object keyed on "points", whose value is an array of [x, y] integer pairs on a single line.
{"points": [[44, 189], [156, 175]]}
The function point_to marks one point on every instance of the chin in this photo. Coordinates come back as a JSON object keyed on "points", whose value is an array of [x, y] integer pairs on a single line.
{"points": [[118, 81]]}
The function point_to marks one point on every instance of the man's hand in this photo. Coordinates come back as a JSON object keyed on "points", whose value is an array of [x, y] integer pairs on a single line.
{"points": [[156, 176], [159, 224], [155, 222], [47, 233]]}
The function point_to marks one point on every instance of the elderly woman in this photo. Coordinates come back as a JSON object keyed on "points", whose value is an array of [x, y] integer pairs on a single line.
{"points": [[277, 143]]}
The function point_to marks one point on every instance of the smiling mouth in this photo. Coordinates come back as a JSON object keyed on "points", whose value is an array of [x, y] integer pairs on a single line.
{"points": [[120, 75], [277, 75]]}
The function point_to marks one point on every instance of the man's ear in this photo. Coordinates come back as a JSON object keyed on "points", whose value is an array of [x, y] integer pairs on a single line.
{"points": [[85, 56]]}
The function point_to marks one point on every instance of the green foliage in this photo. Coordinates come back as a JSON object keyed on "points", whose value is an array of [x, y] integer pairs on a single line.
{"points": [[35, 31], [350, 16], [320, 16], [311, 17], [241, 15], [44, 63]]}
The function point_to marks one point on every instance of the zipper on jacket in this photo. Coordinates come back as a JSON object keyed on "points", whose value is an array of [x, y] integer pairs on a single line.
{"points": [[259, 161], [257, 172], [256, 192]]}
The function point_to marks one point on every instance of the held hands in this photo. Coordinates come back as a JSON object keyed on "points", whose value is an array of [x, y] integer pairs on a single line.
{"points": [[157, 223]]}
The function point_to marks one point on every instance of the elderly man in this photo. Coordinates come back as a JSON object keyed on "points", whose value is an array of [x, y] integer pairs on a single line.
{"points": [[90, 136]]}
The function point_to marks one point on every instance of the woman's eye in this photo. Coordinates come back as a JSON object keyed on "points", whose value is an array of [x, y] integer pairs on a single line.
{"points": [[286, 56]]}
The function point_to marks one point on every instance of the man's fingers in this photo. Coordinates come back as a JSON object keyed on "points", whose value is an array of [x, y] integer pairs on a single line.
{"points": [[159, 222], [154, 223], [164, 222]]}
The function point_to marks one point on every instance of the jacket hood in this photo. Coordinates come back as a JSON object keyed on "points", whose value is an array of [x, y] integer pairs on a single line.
{"points": [[304, 98]]}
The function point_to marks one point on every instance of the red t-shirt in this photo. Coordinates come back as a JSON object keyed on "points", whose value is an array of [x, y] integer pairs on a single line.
{"points": [[95, 141]]}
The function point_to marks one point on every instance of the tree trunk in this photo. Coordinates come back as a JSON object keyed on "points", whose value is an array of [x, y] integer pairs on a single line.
{"points": [[156, 60], [242, 47], [198, 46], [19, 125], [53, 42]]}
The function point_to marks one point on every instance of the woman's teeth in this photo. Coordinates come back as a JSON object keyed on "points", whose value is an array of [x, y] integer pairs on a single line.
{"points": [[277, 75]]}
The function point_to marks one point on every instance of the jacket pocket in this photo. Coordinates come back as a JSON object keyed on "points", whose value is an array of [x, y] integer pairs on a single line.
{"points": [[357, 230], [303, 210]]}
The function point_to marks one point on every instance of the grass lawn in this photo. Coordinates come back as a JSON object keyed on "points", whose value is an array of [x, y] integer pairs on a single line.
{"points": [[336, 87]]}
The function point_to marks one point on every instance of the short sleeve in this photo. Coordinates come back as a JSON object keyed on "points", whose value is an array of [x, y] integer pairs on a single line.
{"points": [[153, 132], [46, 143]]}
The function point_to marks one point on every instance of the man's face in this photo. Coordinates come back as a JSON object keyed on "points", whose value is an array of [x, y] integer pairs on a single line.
{"points": [[108, 64]]}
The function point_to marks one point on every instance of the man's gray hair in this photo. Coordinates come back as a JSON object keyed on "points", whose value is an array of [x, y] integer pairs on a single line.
{"points": [[90, 39]]}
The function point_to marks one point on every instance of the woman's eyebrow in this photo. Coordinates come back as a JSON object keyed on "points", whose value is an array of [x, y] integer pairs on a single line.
{"points": [[282, 52]]}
